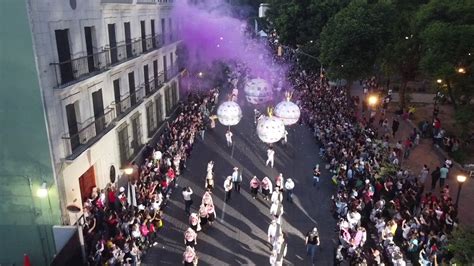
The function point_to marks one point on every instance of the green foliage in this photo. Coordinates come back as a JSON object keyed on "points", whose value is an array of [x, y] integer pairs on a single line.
{"points": [[448, 38], [299, 24], [461, 245], [352, 40], [464, 117]]}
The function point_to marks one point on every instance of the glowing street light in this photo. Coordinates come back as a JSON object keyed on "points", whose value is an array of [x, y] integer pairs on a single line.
{"points": [[439, 81], [200, 74], [373, 100], [461, 179], [128, 170], [42, 191], [461, 70]]}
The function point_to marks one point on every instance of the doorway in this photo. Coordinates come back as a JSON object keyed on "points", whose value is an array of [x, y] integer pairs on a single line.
{"points": [[87, 183]]}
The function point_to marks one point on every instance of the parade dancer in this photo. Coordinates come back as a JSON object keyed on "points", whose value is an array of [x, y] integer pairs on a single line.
{"points": [[194, 222], [267, 187], [190, 238], [279, 182], [228, 137], [254, 186], [211, 213], [189, 257], [207, 198], [270, 157], [209, 185], [203, 215]]}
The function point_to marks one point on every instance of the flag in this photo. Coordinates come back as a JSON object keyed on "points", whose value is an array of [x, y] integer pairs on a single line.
{"points": [[26, 260]]}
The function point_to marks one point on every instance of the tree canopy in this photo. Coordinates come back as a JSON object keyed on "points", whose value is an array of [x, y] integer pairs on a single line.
{"points": [[352, 39]]}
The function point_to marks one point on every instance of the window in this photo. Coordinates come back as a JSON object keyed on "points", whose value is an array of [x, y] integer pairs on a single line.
{"points": [[118, 105], [136, 132], [150, 119], [159, 109], [168, 100], [64, 55], [174, 93], [131, 88], [124, 145], [112, 43]]}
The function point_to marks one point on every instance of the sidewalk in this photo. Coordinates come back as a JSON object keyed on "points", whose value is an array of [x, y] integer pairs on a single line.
{"points": [[427, 153]]}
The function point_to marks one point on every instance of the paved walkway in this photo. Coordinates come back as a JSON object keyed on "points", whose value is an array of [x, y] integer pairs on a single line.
{"points": [[239, 236], [427, 153]]}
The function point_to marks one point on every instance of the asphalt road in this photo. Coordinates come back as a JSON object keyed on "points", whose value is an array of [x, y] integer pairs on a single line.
{"points": [[239, 235]]}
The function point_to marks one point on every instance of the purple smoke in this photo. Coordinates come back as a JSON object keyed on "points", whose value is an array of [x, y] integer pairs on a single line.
{"points": [[210, 33]]}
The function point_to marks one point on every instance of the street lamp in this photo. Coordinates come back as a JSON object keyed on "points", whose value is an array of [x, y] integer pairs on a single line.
{"points": [[42, 191], [128, 170], [439, 81], [461, 179], [373, 100], [461, 70]]}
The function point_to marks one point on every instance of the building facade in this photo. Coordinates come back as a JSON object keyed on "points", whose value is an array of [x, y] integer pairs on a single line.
{"points": [[108, 73], [104, 78]]}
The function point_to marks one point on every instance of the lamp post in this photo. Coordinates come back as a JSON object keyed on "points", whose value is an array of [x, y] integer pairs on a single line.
{"points": [[372, 101], [461, 179]]}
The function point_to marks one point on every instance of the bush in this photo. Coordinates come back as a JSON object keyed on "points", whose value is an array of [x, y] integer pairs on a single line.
{"points": [[460, 156]]}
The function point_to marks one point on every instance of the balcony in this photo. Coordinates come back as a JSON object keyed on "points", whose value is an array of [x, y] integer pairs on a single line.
{"points": [[131, 101], [77, 143], [116, 1], [74, 70], [147, 1]]}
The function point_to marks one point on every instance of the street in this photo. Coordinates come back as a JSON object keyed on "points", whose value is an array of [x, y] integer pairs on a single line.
{"points": [[239, 236]]}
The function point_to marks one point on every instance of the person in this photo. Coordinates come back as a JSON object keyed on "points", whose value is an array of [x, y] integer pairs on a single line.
{"points": [[266, 187], [187, 192], [203, 215], [443, 175], [423, 175], [311, 241], [273, 231], [228, 188], [254, 186], [189, 257], [210, 166], [211, 213], [285, 137], [228, 137], [270, 157], [190, 238], [289, 186], [209, 185], [279, 182], [395, 126], [194, 222], [236, 179], [279, 249], [207, 198], [316, 175]]}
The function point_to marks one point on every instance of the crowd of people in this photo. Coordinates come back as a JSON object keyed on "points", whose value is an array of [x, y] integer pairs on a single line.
{"points": [[122, 222], [384, 215]]}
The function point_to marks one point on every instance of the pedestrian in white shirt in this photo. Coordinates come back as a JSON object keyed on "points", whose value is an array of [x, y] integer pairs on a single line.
{"points": [[228, 137], [289, 186], [270, 157], [228, 188], [187, 192]]}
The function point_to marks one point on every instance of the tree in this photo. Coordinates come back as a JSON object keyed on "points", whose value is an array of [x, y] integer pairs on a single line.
{"points": [[352, 39], [461, 245], [401, 55], [448, 41], [299, 24]]}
